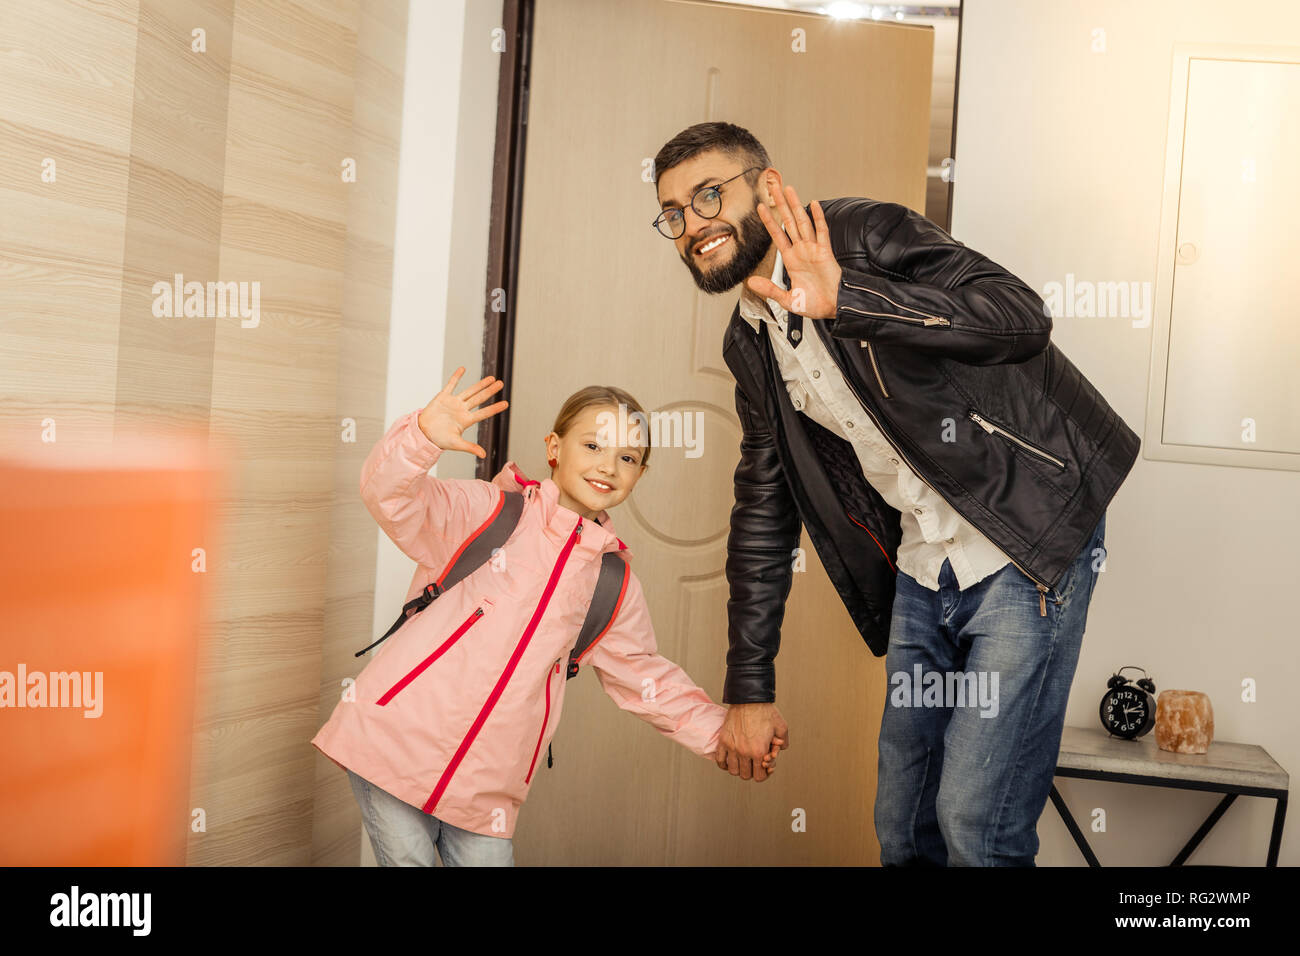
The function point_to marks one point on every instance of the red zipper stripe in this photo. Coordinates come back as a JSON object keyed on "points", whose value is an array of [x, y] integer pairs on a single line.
{"points": [[875, 539], [419, 668], [470, 540], [546, 717], [432, 803], [627, 574]]}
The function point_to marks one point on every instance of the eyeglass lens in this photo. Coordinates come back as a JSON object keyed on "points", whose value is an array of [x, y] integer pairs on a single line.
{"points": [[707, 202]]}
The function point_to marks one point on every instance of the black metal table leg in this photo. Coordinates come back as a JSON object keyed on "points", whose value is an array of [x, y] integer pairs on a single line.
{"points": [[1275, 839], [1205, 828], [1059, 802]]}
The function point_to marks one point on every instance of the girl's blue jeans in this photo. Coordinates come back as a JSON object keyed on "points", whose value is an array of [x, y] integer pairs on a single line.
{"points": [[403, 835], [964, 778]]}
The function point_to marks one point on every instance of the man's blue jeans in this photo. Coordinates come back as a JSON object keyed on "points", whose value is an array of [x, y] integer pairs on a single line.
{"points": [[964, 777], [403, 835]]}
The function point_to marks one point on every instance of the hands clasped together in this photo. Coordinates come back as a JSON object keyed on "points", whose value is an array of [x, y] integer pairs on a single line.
{"points": [[752, 736]]}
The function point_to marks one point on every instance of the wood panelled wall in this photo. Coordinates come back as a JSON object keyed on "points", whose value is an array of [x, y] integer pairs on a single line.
{"points": [[224, 165]]}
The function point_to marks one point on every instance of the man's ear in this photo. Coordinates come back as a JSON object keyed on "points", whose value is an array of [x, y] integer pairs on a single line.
{"points": [[772, 186]]}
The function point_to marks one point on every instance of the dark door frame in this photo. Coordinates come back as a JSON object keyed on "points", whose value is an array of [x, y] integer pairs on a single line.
{"points": [[503, 231]]}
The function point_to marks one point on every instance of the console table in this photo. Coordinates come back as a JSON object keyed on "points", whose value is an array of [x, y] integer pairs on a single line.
{"points": [[1089, 753]]}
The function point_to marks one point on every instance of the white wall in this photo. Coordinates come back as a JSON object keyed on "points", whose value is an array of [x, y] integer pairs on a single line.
{"points": [[471, 204], [448, 126], [1060, 154]]}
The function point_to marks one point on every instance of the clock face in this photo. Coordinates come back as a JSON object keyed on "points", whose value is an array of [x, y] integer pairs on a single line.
{"points": [[1125, 711]]}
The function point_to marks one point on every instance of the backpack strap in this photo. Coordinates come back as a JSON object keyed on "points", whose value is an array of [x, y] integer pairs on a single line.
{"points": [[475, 552], [611, 586], [478, 547]]}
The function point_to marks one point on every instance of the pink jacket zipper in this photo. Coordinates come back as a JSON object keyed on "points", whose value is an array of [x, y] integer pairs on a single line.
{"points": [[432, 803], [546, 717], [419, 668]]}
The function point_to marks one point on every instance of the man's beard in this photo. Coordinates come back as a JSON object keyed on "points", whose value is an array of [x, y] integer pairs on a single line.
{"points": [[751, 245]]}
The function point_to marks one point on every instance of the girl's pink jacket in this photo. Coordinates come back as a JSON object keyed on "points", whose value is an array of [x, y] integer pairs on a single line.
{"points": [[453, 711]]}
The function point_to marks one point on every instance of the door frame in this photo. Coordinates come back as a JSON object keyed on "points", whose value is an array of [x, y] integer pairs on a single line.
{"points": [[504, 227]]}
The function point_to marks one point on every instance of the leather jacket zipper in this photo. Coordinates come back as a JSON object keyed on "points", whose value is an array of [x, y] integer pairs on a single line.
{"points": [[442, 648], [432, 803], [871, 354], [1042, 588], [546, 717], [989, 427], [923, 319]]}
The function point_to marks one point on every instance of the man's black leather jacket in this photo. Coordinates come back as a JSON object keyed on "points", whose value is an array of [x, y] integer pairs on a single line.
{"points": [[950, 356]]}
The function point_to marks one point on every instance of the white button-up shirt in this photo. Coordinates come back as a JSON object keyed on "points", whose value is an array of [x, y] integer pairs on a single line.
{"points": [[932, 530]]}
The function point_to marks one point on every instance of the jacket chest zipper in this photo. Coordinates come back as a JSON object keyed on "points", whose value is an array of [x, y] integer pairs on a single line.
{"points": [[923, 319], [432, 803], [442, 648], [992, 429], [1042, 588], [871, 354], [546, 717]]}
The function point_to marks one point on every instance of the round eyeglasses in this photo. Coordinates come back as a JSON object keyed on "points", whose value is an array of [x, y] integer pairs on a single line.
{"points": [[707, 203]]}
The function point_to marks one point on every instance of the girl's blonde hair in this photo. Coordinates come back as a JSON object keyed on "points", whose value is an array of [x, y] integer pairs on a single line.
{"points": [[594, 395]]}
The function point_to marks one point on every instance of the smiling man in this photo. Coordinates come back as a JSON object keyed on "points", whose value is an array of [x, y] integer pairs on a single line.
{"points": [[900, 397]]}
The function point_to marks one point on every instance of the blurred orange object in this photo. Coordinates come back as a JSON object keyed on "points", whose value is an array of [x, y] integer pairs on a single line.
{"points": [[98, 576]]}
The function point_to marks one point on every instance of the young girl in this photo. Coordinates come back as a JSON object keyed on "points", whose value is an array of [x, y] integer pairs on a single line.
{"points": [[442, 738]]}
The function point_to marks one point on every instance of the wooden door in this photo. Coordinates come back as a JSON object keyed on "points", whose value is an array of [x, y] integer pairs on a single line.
{"points": [[604, 299]]}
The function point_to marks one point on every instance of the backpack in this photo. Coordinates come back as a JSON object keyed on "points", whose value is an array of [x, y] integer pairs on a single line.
{"points": [[478, 549]]}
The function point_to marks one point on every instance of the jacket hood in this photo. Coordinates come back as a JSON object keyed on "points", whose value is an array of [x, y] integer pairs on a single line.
{"points": [[558, 517]]}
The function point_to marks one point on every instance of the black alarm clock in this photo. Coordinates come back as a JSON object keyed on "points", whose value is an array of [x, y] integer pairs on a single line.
{"points": [[1128, 710]]}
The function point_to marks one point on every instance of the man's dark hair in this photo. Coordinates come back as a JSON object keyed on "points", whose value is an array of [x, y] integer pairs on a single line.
{"points": [[736, 141]]}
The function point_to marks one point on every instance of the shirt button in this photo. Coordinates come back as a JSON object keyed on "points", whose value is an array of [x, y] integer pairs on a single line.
{"points": [[817, 373], [893, 461], [950, 540], [796, 334], [848, 424], [917, 510]]}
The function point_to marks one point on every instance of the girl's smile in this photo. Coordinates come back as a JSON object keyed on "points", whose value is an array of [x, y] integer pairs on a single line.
{"points": [[593, 471]]}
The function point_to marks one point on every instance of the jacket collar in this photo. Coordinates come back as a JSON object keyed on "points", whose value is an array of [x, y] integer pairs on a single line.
{"points": [[750, 311], [597, 536]]}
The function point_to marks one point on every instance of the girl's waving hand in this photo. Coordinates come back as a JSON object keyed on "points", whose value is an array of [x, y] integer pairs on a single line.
{"points": [[427, 517], [446, 417]]}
